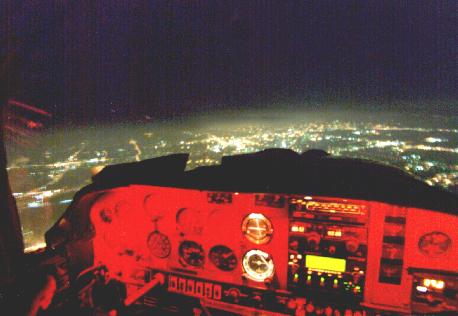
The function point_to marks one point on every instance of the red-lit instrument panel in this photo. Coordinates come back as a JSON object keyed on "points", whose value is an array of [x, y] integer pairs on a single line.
{"points": [[275, 253]]}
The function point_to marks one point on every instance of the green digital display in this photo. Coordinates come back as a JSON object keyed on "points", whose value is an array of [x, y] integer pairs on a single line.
{"points": [[325, 263]]}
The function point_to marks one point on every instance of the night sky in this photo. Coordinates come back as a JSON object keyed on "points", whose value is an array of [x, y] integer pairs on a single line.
{"points": [[92, 61]]}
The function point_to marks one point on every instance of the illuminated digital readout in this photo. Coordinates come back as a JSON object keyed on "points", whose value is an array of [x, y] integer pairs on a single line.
{"points": [[325, 263]]}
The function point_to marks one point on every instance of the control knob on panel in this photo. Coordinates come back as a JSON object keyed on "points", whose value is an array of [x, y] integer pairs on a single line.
{"points": [[352, 245], [294, 245], [233, 295], [356, 277], [313, 241]]}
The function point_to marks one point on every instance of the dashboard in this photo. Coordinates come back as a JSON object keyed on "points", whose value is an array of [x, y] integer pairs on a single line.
{"points": [[186, 251]]}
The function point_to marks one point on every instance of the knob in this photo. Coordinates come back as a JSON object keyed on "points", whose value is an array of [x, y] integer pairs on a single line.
{"points": [[233, 294], [322, 280], [268, 282], [328, 311], [197, 311], [313, 241], [310, 308], [293, 245], [356, 277], [335, 283], [352, 245], [257, 299], [291, 304], [309, 279]]}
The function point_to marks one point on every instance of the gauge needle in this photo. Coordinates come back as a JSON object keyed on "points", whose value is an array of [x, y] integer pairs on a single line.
{"points": [[259, 229], [261, 261]]}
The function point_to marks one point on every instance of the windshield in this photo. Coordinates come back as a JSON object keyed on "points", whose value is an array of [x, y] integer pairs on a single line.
{"points": [[101, 83]]}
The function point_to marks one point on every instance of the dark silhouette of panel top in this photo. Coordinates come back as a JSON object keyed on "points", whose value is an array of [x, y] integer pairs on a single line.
{"points": [[314, 172]]}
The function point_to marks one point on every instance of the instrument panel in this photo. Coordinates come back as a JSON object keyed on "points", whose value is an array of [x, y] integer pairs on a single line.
{"points": [[275, 254]]}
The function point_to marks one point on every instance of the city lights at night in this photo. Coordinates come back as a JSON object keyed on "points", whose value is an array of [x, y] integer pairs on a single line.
{"points": [[50, 177]]}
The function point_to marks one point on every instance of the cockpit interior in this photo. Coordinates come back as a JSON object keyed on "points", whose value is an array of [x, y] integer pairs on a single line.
{"points": [[270, 233]]}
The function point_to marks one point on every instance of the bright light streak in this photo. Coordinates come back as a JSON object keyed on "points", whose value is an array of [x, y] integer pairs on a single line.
{"points": [[35, 247], [29, 107]]}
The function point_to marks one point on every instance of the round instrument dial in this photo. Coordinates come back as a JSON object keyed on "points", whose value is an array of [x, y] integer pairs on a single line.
{"points": [[258, 265], [434, 244], [352, 245], [191, 253], [223, 258], [257, 228], [159, 244]]}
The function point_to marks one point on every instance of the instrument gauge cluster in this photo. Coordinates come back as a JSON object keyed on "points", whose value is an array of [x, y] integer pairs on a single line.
{"points": [[251, 252]]}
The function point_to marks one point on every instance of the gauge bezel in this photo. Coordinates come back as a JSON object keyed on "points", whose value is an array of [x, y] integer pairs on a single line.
{"points": [[211, 258], [190, 243], [164, 240], [443, 245], [253, 275], [256, 239]]}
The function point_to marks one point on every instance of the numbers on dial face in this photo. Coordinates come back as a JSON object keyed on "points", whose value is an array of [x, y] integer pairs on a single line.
{"points": [[223, 258], [191, 253]]}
